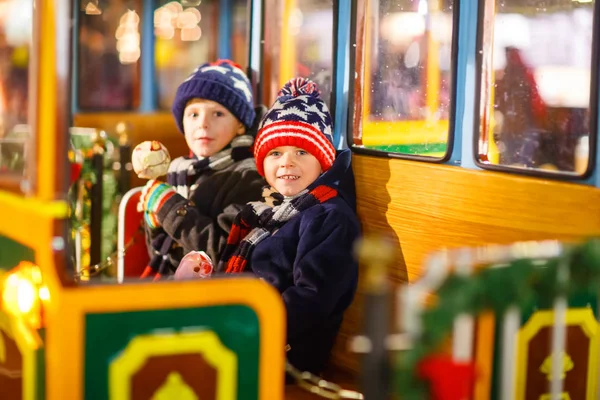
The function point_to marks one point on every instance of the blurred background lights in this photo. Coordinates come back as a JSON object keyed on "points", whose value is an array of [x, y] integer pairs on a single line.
{"points": [[173, 16], [128, 38]]}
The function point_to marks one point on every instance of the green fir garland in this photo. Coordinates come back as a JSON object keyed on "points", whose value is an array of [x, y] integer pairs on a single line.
{"points": [[81, 201]]}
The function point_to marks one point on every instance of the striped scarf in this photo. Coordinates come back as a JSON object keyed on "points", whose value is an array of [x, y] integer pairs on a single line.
{"points": [[259, 220], [183, 175], [184, 171]]}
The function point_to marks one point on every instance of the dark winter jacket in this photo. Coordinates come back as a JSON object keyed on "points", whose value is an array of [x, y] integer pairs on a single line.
{"points": [[310, 261], [203, 222]]}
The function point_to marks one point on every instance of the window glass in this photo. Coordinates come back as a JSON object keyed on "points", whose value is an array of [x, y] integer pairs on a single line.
{"points": [[407, 81], [108, 54], [535, 84], [298, 43], [15, 50], [186, 35], [239, 33]]}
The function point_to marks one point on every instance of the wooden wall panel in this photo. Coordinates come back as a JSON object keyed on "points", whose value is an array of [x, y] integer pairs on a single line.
{"points": [[156, 126], [424, 207]]}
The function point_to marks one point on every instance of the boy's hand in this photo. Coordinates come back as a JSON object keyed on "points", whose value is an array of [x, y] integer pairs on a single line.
{"points": [[154, 195], [195, 264]]}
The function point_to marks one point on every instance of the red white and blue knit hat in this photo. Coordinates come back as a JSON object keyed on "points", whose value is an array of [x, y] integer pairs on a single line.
{"points": [[297, 118], [222, 81]]}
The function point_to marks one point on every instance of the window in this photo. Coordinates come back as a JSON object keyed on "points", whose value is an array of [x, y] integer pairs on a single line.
{"points": [[185, 37], [298, 43], [240, 44], [534, 92], [15, 51], [405, 76], [109, 54]]}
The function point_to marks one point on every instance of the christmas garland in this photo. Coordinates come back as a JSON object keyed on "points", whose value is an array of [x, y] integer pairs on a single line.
{"points": [[520, 283], [83, 178]]}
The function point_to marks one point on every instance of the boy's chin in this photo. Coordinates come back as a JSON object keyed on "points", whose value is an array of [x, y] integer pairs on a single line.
{"points": [[288, 191], [205, 152]]}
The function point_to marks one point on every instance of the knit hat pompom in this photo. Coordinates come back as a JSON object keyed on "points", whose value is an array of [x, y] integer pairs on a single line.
{"points": [[222, 61], [299, 87], [300, 118]]}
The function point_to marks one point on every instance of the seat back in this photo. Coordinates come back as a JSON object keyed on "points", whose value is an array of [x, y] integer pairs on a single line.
{"points": [[131, 244]]}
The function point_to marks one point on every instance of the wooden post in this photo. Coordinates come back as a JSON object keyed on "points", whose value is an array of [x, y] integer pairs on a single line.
{"points": [[376, 254]]}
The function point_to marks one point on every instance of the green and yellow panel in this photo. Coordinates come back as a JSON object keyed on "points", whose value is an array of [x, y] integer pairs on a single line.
{"points": [[221, 339], [423, 138], [190, 353]]}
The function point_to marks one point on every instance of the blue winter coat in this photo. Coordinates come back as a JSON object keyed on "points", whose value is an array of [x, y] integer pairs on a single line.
{"points": [[310, 261]]}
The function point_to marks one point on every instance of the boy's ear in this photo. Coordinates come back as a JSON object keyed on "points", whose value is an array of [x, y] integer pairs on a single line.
{"points": [[241, 129]]}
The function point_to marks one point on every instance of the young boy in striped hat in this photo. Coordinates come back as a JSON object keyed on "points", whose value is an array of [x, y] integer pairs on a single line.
{"points": [[194, 210], [300, 238]]}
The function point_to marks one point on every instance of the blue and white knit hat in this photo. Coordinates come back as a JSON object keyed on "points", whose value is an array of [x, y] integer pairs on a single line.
{"points": [[222, 81], [297, 118]]}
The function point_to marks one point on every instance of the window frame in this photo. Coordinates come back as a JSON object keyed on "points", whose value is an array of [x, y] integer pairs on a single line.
{"points": [[229, 40], [260, 87], [593, 122], [357, 83]]}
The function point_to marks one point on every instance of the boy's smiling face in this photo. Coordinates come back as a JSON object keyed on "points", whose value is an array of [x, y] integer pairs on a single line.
{"points": [[209, 127], [290, 169]]}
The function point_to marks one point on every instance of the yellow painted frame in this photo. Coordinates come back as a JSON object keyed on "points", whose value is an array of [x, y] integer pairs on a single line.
{"points": [[3, 327], [488, 73], [42, 210], [29, 343], [378, 133], [563, 396], [205, 343], [287, 53], [39, 211], [52, 209], [583, 317], [484, 354], [46, 110]]}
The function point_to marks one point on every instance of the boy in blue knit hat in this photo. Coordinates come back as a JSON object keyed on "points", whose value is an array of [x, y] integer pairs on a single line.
{"points": [[300, 237], [194, 210]]}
